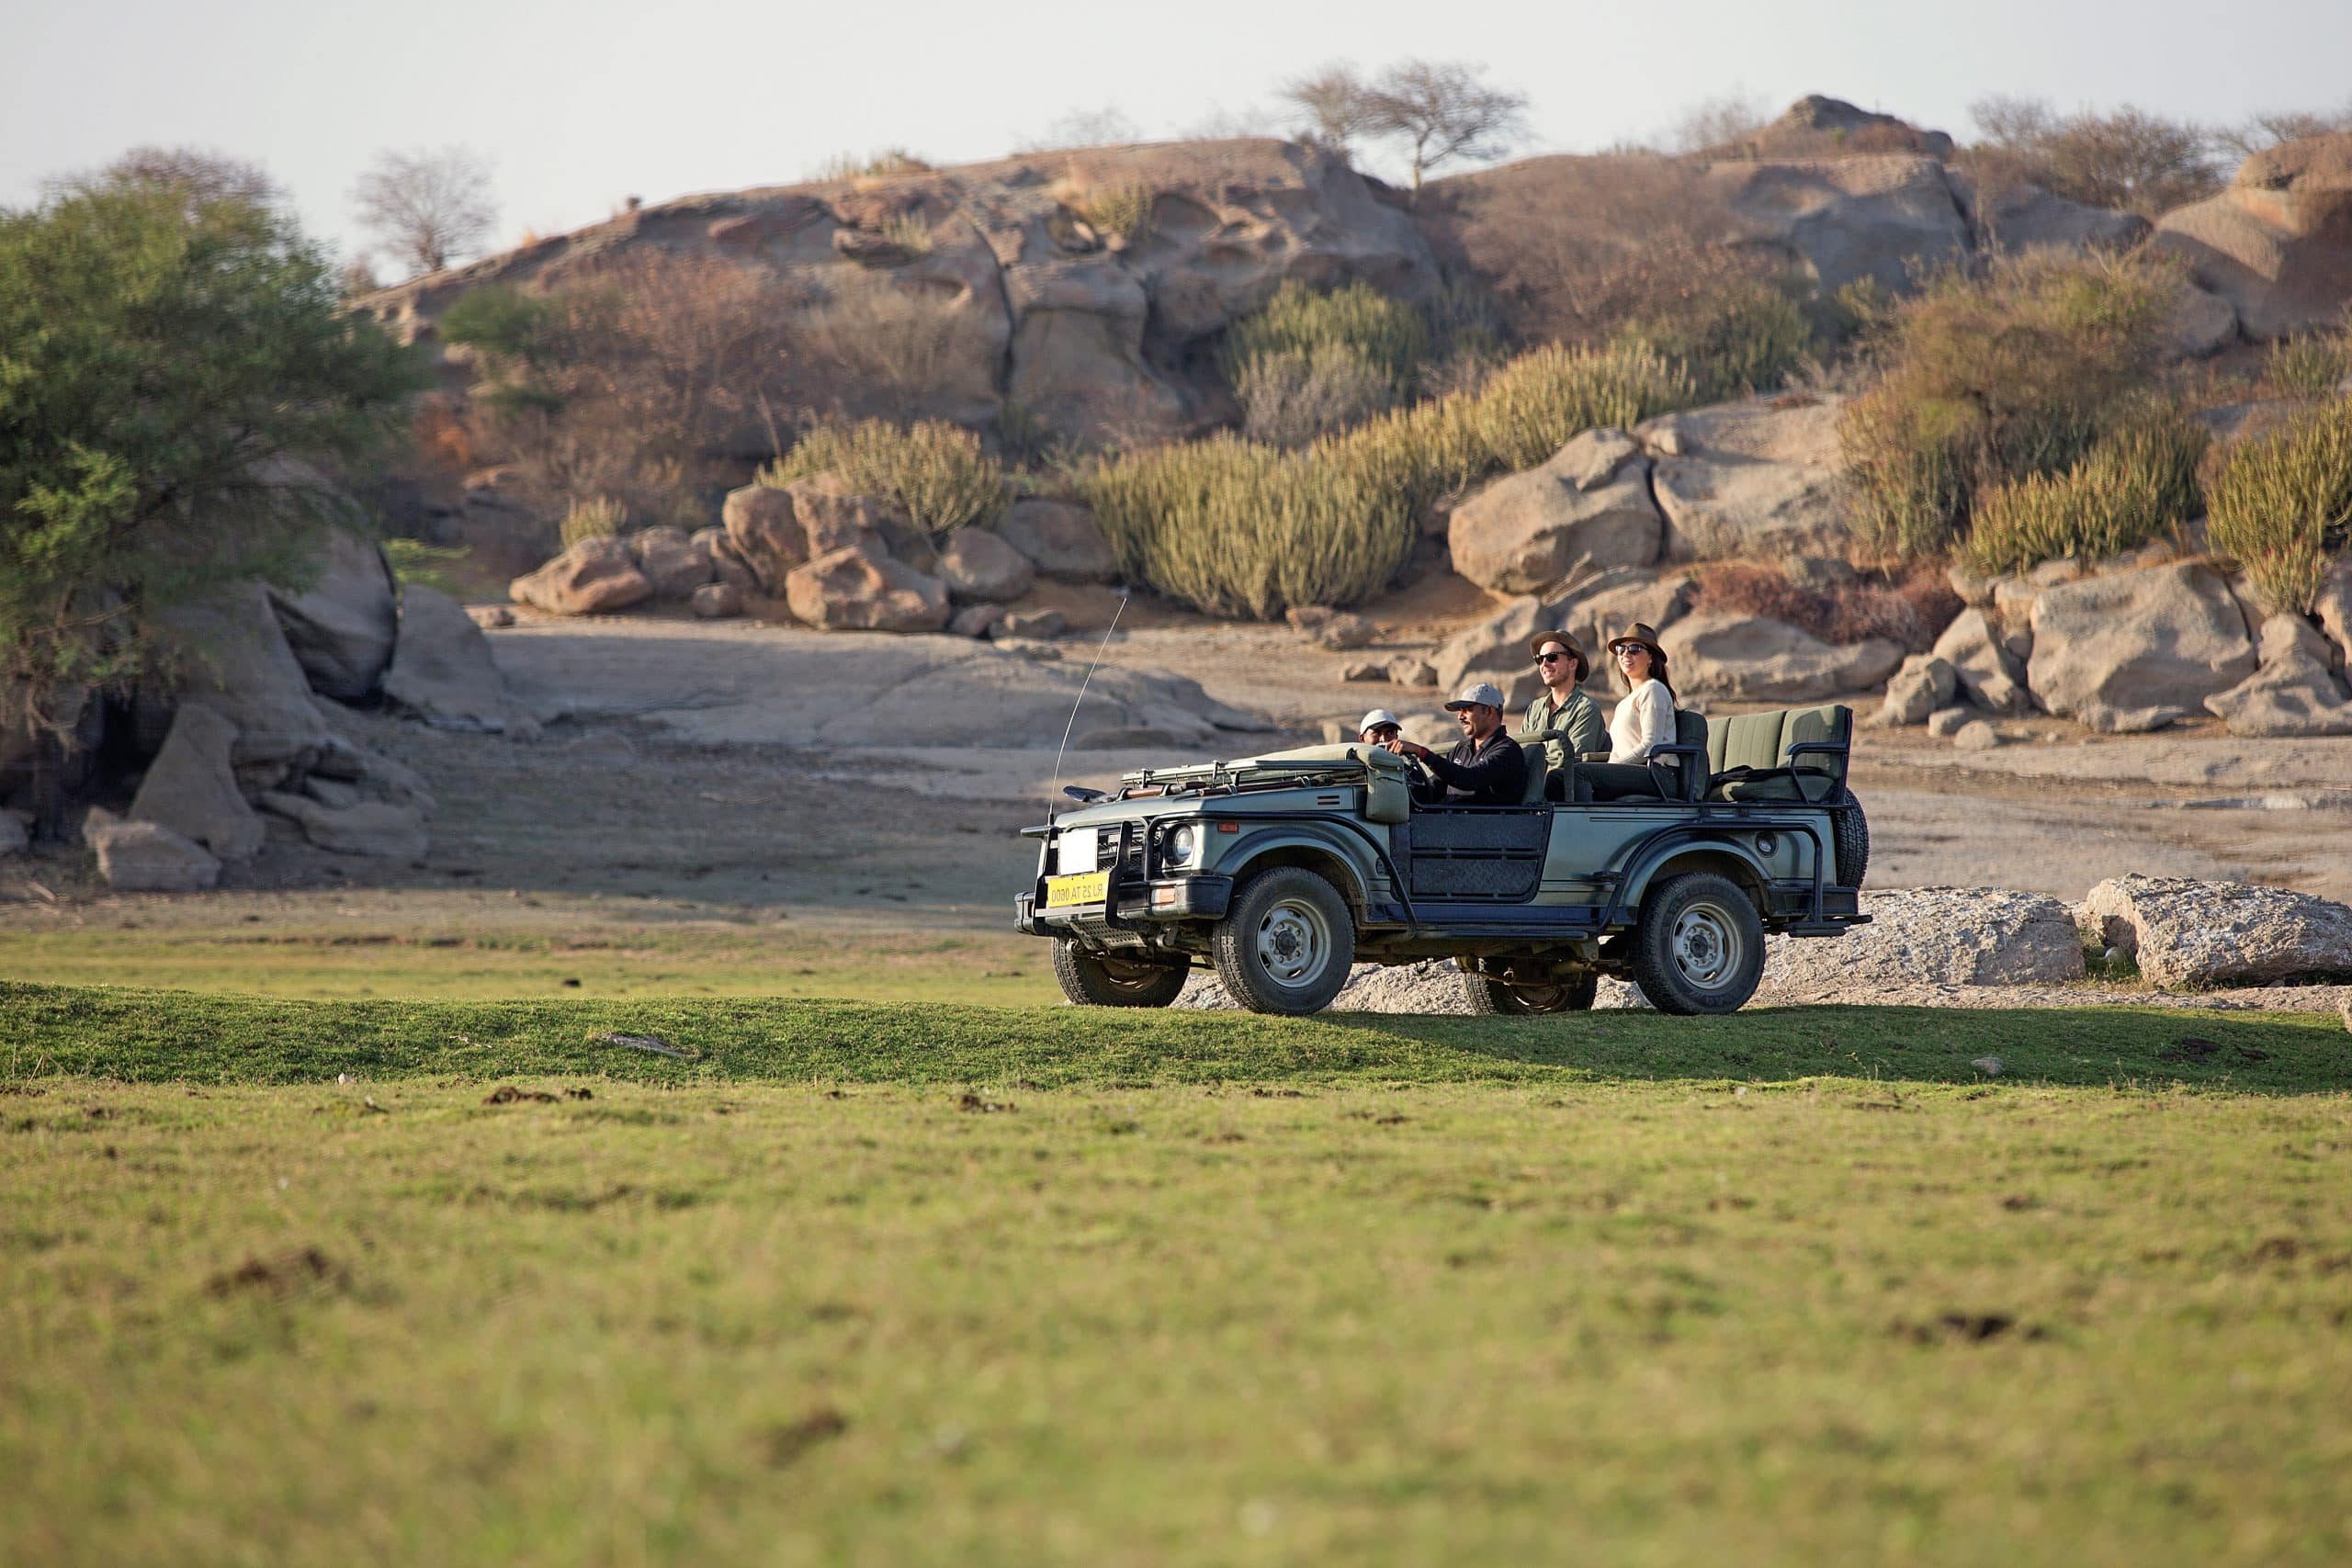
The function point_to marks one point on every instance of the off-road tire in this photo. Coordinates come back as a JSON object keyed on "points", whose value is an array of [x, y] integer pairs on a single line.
{"points": [[1699, 946], [1850, 834], [1091, 980], [1490, 996], [1287, 944]]}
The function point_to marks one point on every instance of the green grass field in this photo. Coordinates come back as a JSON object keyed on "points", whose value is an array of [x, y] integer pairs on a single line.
{"points": [[923, 1284]]}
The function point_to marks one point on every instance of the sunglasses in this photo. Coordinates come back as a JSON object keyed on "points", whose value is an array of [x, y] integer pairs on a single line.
{"points": [[1550, 658], [1629, 652]]}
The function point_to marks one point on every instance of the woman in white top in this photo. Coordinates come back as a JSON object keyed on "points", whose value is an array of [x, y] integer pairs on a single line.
{"points": [[1642, 723]]}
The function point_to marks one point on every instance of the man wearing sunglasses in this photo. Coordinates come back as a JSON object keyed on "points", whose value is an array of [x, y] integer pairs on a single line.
{"points": [[1569, 724]]}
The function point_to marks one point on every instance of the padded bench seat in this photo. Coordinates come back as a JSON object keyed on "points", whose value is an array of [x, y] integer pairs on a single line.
{"points": [[1788, 754]]}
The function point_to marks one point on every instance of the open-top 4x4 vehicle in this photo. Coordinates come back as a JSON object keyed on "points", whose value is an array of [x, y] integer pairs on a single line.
{"points": [[1281, 872]]}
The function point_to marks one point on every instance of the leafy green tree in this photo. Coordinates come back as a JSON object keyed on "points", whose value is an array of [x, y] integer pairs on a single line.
{"points": [[172, 352]]}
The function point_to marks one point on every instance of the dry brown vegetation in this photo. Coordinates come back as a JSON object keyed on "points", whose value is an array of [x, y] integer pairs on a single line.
{"points": [[638, 381], [1909, 605]]}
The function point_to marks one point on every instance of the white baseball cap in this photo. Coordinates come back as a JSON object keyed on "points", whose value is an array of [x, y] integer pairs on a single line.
{"points": [[1479, 693], [1376, 719]]}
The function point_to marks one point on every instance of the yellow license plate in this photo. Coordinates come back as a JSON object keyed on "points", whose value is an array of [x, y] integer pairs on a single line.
{"points": [[1087, 888]]}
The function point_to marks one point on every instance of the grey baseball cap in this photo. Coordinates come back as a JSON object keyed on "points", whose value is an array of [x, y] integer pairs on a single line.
{"points": [[1479, 693], [1376, 719]]}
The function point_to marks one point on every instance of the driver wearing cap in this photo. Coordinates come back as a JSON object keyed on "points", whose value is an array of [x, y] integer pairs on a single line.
{"points": [[1486, 766]]}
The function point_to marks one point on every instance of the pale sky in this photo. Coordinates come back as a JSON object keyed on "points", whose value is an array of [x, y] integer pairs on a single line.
{"points": [[580, 104]]}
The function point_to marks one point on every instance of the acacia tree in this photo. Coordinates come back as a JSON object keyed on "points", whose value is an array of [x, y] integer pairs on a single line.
{"points": [[2127, 158], [1443, 113], [164, 348], [1332, 107], [427, 209]]}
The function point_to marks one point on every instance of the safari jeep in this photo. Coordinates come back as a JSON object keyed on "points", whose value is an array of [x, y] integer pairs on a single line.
{"points": [[1282, 871]]}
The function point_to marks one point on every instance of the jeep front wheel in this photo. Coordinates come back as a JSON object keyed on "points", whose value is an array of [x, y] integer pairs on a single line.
{"points": [[1700, 945], [1094, 980], [1287, 944]]}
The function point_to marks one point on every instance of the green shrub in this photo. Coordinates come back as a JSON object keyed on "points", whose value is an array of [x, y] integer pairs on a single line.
{"points": [[1386, 334], [503, 319], [1290, 398], [2282, 503], [1985, 379], [2137, 481], [1744, 336], [165, 347], [1236, 528], [427, 566], [2311, 366], [937, 473], [598, 517], [1120, 211]]}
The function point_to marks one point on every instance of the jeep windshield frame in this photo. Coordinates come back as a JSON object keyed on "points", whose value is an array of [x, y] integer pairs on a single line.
{"points": [[1249, 774]]}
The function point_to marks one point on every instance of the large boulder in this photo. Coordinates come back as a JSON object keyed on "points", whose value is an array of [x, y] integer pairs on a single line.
{"points": [[727, 564], [2186, 933], [856, 588], [1890, 218], [1762, 477], [2333, 612], [232, 657], [673, 562], [372, 828], [1921, 685], [191, 787], [443, 672], [147, 857], [593, 577], [979, 568], [1986, 662], [341, 628], [1060, 539], [2018, 215], [777, 529], [2292, 693], [2134, 651], [1949, 936], [2278, 244], [1590, 503], [1498, 649], [1754, 659], [1070, 283]]}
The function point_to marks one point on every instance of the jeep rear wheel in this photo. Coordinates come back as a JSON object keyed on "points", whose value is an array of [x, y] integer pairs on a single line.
{"points": [[1287, 944], [1096, 980], [1493, 995], [1700, 945]]}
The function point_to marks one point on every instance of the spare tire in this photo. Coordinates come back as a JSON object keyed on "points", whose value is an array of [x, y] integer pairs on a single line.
{"points": [[1850, 834]]}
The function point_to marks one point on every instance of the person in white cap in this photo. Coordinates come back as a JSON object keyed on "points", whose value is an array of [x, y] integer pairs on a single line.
{"points": [[1486, 766], [1378, 728]]}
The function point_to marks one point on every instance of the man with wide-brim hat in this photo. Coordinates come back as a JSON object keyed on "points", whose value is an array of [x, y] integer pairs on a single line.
{"points": [[1567, 721], [1486, 766]]}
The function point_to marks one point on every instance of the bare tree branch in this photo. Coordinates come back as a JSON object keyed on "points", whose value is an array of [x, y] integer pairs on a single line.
{"points": [[1443, 113], [1332, 107], [427, 208]]}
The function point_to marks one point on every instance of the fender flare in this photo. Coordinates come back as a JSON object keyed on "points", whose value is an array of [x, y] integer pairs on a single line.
{"points": [[1321, 843], [1651, 855]]}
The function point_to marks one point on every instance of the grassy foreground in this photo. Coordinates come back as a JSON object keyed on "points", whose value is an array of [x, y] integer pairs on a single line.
{"points": [[901, 1284]]}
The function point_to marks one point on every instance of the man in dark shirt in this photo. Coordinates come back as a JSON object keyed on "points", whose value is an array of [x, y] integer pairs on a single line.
{"points": [[1486, 766]]}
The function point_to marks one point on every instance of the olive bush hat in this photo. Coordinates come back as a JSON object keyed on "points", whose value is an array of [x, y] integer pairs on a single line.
{"points": [[1641, 634]]}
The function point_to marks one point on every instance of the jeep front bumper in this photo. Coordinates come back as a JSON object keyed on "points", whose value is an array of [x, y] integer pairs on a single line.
{"points": [[1170, 898]]}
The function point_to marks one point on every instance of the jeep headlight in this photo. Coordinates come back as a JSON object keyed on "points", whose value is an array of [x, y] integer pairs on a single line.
{"points": [[1184, 844]]}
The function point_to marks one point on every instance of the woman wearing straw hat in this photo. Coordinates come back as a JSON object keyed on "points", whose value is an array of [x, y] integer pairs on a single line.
{"points": [[1643, 722]]}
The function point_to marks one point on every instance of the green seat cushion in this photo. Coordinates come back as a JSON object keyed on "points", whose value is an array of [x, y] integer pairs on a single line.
{"points": [[1753, 741], [1718, 732], [1784, 786]]}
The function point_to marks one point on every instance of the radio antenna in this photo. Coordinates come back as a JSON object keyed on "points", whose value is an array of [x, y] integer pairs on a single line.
{"points": [[1058, 754]]}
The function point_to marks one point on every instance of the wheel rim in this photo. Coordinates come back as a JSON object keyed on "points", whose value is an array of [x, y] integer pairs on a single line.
{"points": [[1293, 942], [1706, 946]]}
